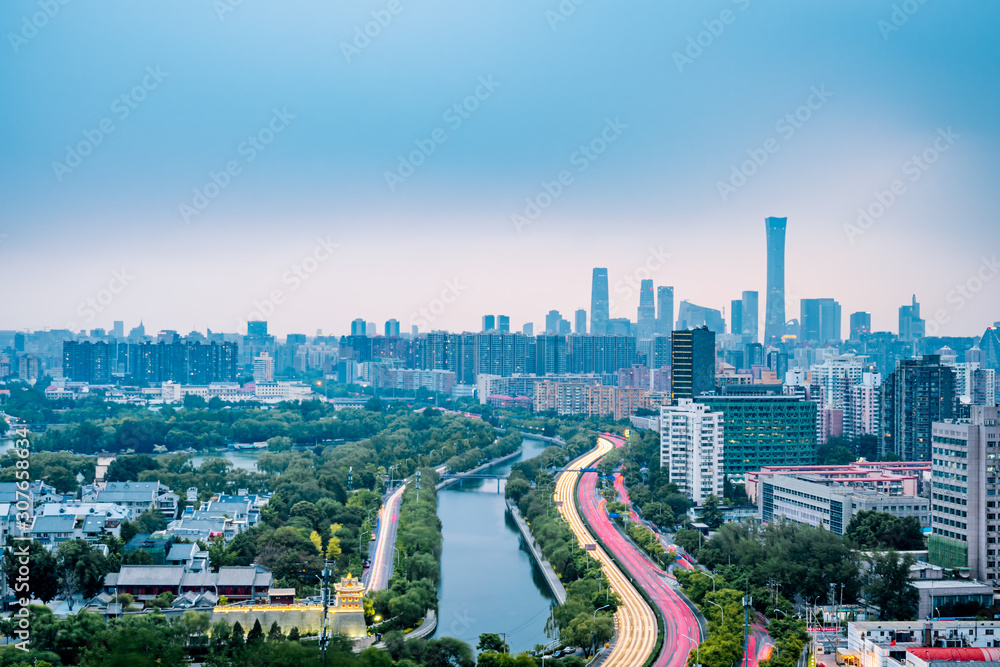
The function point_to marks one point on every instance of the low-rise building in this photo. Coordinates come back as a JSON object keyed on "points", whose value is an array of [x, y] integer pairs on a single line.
{"points": [[145, 582], [917, 643], [136, 497]]}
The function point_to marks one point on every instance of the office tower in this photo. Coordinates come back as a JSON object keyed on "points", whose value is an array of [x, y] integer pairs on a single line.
{"points": [[300, 339], [774, 315], [765, 430], [753, 355], [778, 362], [28, 367], [489, 323], [503, 323], [691, 316], [982, 386], [751, 310], [581, 321], [358, 327], [964, 512], [19, 342], [660, 351], [691, 446], [263, 368], [552, 321], [861, 323], [736, 317], [371, 329], [692, 363], [911, 326], [565, 328], [646, 320], [391, 328], [599, 313], [664, 310], [917, 393], [819, 321], [255, 329], [989, 346], [118, 331], [528, 329]]}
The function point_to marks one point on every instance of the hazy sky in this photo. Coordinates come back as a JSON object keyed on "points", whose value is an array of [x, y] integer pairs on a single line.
{"points": [[116, 115]]}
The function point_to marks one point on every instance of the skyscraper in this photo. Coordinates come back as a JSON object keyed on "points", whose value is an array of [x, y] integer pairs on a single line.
{"points": [[552, 321], [918, 393], [736, 317], [647, 310], [664, 310], [581, 321], [690, 316], [692, 363], [358, 327], [391, 328], [489, 323], [503, 323], [691, 447], [599, 302], [861, 323], [255, 329], [751, 310], [819, 321], [774, 317], [911, 327]]}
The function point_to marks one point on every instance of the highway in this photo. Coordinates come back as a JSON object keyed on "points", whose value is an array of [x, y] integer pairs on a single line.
{"points": [[636, 622], [377, 576], [660, 586]]}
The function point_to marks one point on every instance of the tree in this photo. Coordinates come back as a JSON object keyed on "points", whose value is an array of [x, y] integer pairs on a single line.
{"points": [[880, 530], [449, 652], [42, 563], [491, 641], [80, 569], [711, 514], [333, 545], [256, 633], [890, 587]]}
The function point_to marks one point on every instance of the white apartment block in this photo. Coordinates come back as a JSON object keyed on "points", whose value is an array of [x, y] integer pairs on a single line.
{"points": [[691, 446]]}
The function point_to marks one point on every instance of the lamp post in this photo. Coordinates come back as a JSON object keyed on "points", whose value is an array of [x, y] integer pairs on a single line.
{"points": [[697, 650], [713, 579], [775, 647], [720, 609], [599, 608]]}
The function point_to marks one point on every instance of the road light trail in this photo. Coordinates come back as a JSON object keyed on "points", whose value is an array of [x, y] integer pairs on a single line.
{"points": [[637, 628], [378, 573]]}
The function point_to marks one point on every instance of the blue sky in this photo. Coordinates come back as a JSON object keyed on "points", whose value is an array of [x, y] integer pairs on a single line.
{"points": [[336, 119]]}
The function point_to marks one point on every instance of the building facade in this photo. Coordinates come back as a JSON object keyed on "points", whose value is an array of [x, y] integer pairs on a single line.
{"points": [[691, 447]]}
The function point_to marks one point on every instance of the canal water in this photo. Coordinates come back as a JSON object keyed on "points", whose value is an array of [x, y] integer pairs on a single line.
{"points": [[489, 581], [240, 458]]}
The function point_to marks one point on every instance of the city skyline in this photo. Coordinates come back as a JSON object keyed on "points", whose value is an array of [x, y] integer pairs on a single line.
{"points": [[823, 131]]}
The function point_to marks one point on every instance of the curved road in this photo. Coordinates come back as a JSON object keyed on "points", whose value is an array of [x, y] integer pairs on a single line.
{"points": [[377, 576], [636, 622], [678, 617]]}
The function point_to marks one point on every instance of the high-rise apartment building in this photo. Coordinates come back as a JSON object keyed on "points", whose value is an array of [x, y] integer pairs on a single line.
{"points": [[664, 310], [691, 447], [646, 321], [864, 413], [692, 363], [774, 314], [599, 302], [914, 396], [861, 323], [965, 517]]}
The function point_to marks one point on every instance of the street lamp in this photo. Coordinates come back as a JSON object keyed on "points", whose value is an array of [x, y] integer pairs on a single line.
{"points": [[598, 609], [697, 649], [720, 609], [775, 647], [713, 579]]}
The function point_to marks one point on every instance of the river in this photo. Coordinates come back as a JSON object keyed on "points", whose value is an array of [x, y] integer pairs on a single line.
{"points": [[240, 458], [489, 581]]}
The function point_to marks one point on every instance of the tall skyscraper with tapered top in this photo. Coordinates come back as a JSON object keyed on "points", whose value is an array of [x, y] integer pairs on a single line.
{"points": [[599, 302], [647, 310], [774, 317]]}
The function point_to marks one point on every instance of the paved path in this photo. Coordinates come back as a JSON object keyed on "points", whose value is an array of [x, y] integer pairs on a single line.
{"points": [[555, 585], [377, 576]]}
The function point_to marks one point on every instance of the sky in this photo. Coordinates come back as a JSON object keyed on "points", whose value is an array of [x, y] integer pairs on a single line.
{"points": [[198, 164]]}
